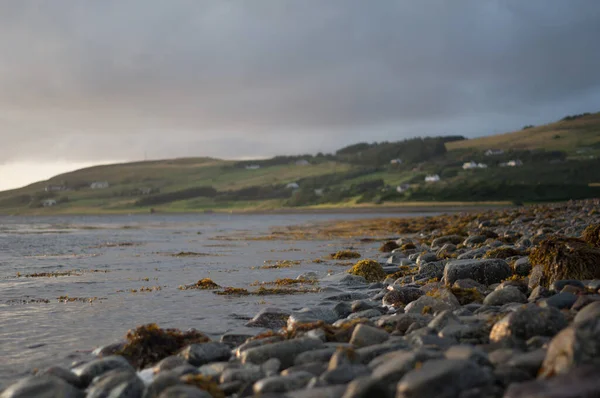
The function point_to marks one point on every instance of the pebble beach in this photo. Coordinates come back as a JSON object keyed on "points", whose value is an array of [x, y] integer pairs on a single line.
{"points": [[496, 303]]}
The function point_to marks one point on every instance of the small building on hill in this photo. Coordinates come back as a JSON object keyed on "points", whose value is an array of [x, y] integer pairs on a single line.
{"points": [[396, 161], [49, 203], [432, 178], [55, 188], [292, 185], [99, 185], [402, 188], [473, 165], [512, 163], [302, 162], [494, 152]]}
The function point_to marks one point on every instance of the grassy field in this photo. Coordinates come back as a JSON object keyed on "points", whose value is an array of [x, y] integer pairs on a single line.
{"points": [[569, 135]]}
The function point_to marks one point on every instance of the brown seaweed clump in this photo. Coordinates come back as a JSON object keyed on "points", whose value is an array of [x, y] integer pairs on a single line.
{"points": [[503, 253], [566, 258], [233, 291], [467, 296], [148, 344], [388, 246], [287, 282], [204, 284], [408, 246], [345, 255], [206, 383], [592, 235], [371, 270]]}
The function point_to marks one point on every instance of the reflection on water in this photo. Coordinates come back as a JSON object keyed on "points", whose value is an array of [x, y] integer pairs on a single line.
{"points": [[105, 257]]}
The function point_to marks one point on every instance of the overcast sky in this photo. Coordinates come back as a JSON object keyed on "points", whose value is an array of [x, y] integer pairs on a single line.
{"points": [[85, 82]]}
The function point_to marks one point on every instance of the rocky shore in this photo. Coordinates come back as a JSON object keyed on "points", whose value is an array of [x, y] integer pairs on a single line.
{"points": [[498, 304]]}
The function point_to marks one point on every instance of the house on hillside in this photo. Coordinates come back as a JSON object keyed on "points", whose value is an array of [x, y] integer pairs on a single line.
{"points": [[402, 188], [396, 161], [99, 185], [55, 188], [472, 165], [302, 162], [512, 163], [432, 178], [49, 203], [494, 152], [253, 167], [292, 185]]}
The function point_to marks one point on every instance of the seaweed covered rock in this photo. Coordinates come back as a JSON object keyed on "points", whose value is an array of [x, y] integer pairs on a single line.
{"points": [[270, 318], [503, 252], [148, 344], [592, 235], [371, 270], [388, 246], [203, 284], [487, 271], [566, 258], [345, 255]]}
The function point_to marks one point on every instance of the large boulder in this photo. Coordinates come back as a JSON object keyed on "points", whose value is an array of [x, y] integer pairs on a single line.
{"points": [[487, 271]]}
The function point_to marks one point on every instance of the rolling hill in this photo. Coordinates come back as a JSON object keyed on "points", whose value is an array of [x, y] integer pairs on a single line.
{"points": [[559, 161]]}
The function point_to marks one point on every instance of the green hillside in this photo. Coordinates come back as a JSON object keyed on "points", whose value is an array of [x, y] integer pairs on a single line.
{"points": [[557, 161]]}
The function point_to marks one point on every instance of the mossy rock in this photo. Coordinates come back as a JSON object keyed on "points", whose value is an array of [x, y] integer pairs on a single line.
{"points": [[388, 246], [503, 253], [371, 270], [345, 255], [592, 235], [566, 258], [148, 344], [467, 296]]}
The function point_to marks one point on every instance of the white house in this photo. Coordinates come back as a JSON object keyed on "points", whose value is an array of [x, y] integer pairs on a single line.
{"points": [[494, 152], [432, 178], [473, 165], [302, 162], [99, 185], [49, 203], [292, 185], [53, 188], [253, 167], [402, 188], [396, 161], [512, 163]]}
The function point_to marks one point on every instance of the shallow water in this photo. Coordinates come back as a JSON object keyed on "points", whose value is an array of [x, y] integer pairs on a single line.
{"points": [[122, 251]]}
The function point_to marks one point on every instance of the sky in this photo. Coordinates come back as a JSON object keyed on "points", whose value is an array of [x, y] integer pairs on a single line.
{"points": [[94, 82]]}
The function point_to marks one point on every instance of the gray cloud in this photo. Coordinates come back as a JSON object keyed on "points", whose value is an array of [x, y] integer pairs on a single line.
{"points": [[113, 79]]}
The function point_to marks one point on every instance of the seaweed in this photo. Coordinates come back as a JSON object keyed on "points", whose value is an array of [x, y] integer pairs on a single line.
{"points": [[467, 296], [287, 282], [408, 246], [148, 344], [371, 270], [345, 255], [566, 258], [233, 291], [203, 284], [592, 235]]}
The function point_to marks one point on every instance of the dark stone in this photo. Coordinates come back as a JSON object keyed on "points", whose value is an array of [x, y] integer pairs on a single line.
{"points": [[390, 368], [559, 285], [87, 372], [342, 309], [116, 384], [316, 368], [184, 391], [487, 271], [234, 339], [367, 354], [65, 375], [581, 382], [320, 355], [468, 352], [401, 296], [281, 384], [285, 351], [443, 378], [270, 318], [590, 311], [160, 383], [368, 387], [372, 313], [309, 315], [344, 374], [44, 386], [529, 362], [401, 322], [201, 354], [522, 266], [508, 294], [505, 376], [559, 300], [169, 363]]}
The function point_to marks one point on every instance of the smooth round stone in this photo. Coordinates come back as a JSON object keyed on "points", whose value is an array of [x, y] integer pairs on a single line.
{"points": [[45, 386]]}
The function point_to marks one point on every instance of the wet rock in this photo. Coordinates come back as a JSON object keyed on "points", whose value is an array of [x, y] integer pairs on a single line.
{"points": [[362, 305], [108, 350], [372, 313], [118, 384], [285, 351], [63, 374], [468, 352], [184, 391], [364, 335], [471, 333], [590, 311], [560, 300], [401, 296], [201, 354], [367, 387], [309, 315], [427, 305], [310, 276], [320, 355], [44, 386], [487, 271], [315, 368], [527, 322], [344, 374], [509, 294], [579, 344], [342, 309], [522, 266], [270, 318], [281, 384], [581, 382], [88, 371], [442, 378]]}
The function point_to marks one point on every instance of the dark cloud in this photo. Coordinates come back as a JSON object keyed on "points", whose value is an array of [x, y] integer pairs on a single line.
{"points": [[113, 79]]}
